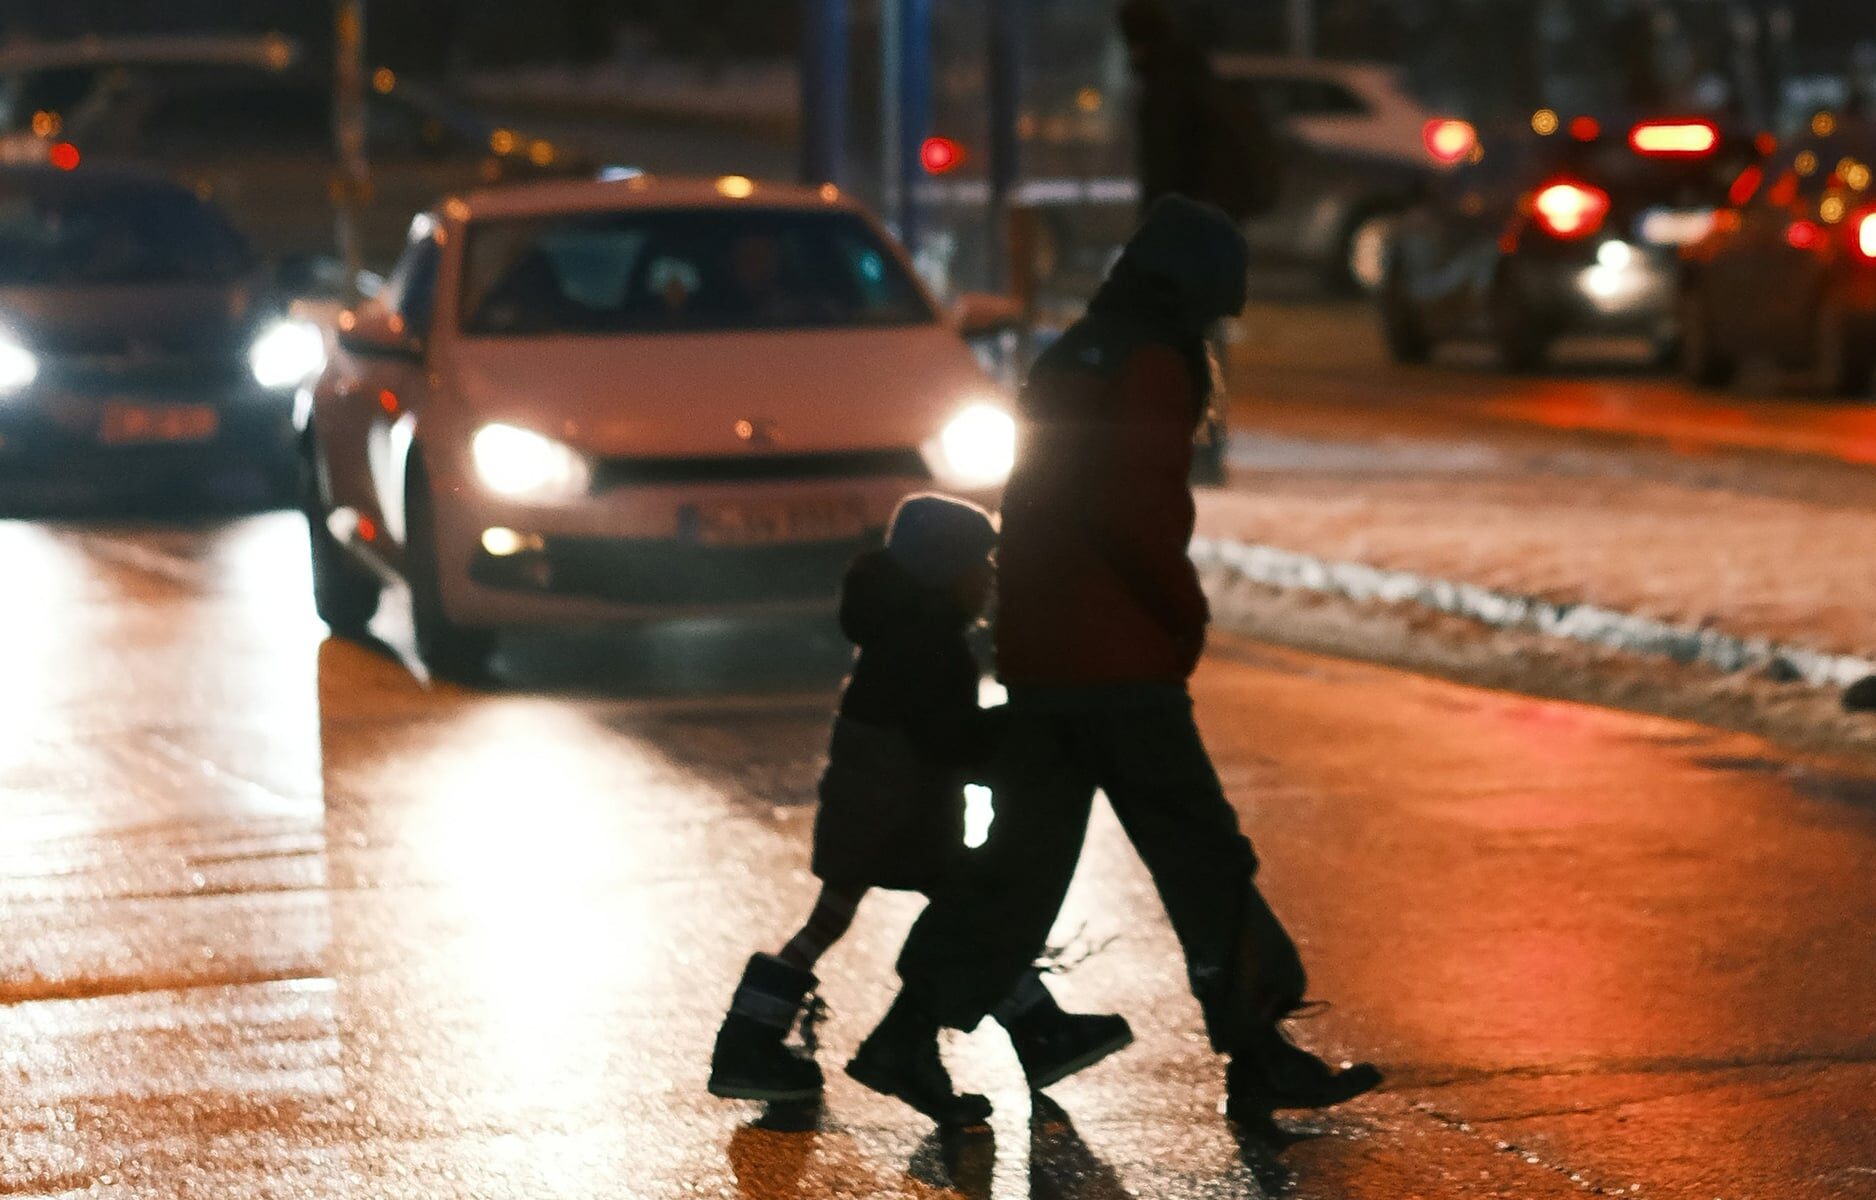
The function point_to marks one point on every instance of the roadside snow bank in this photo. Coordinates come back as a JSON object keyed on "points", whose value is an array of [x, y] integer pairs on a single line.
{"points": [[1587, 623]]}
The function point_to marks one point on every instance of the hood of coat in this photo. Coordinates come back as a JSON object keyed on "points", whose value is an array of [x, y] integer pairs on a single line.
{"points": [[1185, 268], [880, 600]]}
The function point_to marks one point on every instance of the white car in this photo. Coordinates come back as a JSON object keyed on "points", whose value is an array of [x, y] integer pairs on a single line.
{"points": [[1360, 148], [594, 402]]}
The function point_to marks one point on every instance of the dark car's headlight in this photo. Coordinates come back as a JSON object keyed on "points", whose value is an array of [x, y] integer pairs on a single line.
{"points": [[287, 354], [18, 365]]}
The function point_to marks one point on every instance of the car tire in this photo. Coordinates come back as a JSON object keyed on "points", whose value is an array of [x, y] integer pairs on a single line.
{"points": [[345, 593], [1522, 347], [1361, 253], [452, 652], [1840, 361], [1402, 329], [1703, 362]]}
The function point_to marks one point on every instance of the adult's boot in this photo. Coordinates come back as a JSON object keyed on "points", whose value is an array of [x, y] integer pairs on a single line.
{"points": [[1274, 1072], [1053, 1044], [751, 1060]]}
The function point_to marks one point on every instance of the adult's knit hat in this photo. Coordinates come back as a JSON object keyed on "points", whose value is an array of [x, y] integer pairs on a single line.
{"points": [[937, 539]]}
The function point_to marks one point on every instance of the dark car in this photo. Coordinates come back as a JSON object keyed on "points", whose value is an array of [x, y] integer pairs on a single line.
{"points": [[1572, 227], [138, 341], [246, 121], [1789, 270]]}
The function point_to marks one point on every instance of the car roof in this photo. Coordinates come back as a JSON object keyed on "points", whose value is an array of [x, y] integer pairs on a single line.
{"points": [[50, 179], [272, 51], [639, 191]]}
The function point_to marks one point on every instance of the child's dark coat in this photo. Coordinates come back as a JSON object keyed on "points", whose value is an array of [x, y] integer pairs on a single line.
{"points": [[909, 736]]}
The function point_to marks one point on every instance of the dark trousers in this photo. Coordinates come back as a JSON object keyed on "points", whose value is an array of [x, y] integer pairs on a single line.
{"points": [[1140, 746]]}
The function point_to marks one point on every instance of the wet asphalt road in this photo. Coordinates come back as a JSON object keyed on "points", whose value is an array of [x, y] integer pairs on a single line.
{"points": [[281, 921]]}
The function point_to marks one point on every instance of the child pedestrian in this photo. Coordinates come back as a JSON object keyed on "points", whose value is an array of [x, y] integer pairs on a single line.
{"points": [[909, 735]]}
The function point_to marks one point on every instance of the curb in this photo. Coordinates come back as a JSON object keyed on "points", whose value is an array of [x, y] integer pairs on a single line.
{"points": [[1587, 623]]}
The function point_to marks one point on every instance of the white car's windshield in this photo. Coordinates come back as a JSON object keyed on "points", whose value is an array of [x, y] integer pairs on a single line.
{"points": [[682, 271]]}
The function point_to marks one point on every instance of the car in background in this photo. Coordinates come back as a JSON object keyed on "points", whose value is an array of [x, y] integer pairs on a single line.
{"points": [[628, 399], [139, 340], [1563, 228], [1788, 271], [1360, 149], [246, 121]]}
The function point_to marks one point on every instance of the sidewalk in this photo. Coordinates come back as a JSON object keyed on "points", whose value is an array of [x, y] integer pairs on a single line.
{"points": [[1450, 492]]}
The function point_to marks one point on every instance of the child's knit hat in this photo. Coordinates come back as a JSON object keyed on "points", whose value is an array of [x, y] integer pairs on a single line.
{"points": [[937, 539]]}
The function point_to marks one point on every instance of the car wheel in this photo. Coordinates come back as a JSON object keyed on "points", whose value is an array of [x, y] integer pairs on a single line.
{"points": [[1401, 327], [1520, 344], [1840, 361], [1360, 263], [449, 650], [1703, 362], [345, 593]]}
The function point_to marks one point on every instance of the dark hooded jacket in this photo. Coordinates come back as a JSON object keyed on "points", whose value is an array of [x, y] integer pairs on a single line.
{"points": [[910, 734], [1093, 580]]}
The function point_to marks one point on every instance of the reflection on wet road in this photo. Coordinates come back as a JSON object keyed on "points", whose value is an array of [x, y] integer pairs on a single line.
{"points": [[281, 921]]}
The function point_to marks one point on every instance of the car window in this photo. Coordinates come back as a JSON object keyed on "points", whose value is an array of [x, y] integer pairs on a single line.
{"points": [[1291, 97], [230, 119], [676, 272], [59, 234], [410, 292]]}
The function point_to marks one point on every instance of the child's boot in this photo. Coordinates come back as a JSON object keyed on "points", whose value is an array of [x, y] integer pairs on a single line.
{"points": [[1052, 1044], [751, 1061], [901, 1059]]}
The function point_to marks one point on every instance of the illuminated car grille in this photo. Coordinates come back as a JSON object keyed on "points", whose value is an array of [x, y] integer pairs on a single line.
{"points": [[746, 468]]}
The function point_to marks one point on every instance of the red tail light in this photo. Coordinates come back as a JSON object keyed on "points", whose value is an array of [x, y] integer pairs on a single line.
{"points": [[1674, 139], [1449, 140], [1865, 229], [1570, 210], [1746, 186], [1802, 235], [64, 156], [939, 154], [1585, 129]]}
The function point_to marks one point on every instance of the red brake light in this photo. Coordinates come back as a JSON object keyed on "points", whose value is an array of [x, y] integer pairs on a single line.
{"points": [[939, 154], [1802, 235], [1449, 140], [1866, 235], [1570, 210], [1746, 186], [1674, 139], [64, 156], [1585, 129]]}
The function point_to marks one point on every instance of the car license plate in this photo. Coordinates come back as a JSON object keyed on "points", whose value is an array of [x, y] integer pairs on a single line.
{"points": [[129, 424], [760, 523], [1675, 226]]}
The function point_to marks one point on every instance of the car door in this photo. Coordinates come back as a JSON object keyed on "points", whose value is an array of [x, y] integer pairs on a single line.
{"points": [[365, 414], [403, 380]]}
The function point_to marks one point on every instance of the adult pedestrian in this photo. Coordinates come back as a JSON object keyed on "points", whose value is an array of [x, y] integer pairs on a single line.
{"points": [[1101, 621]]}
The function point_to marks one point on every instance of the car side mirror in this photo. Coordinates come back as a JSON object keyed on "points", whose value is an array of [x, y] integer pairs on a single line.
{"points": [[372, 331], [983, 315]]}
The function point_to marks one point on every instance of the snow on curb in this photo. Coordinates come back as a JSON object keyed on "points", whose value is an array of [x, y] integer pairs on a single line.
{"points": [[1289, 569]]}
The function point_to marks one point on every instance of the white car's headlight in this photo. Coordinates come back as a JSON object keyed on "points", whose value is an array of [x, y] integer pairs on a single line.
{"points": [[523, 465], [979, 446], [18, 365], [287, 354]]}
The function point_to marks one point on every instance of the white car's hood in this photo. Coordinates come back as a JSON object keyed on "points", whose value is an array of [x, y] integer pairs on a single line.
{"points": [[685, 395]]}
